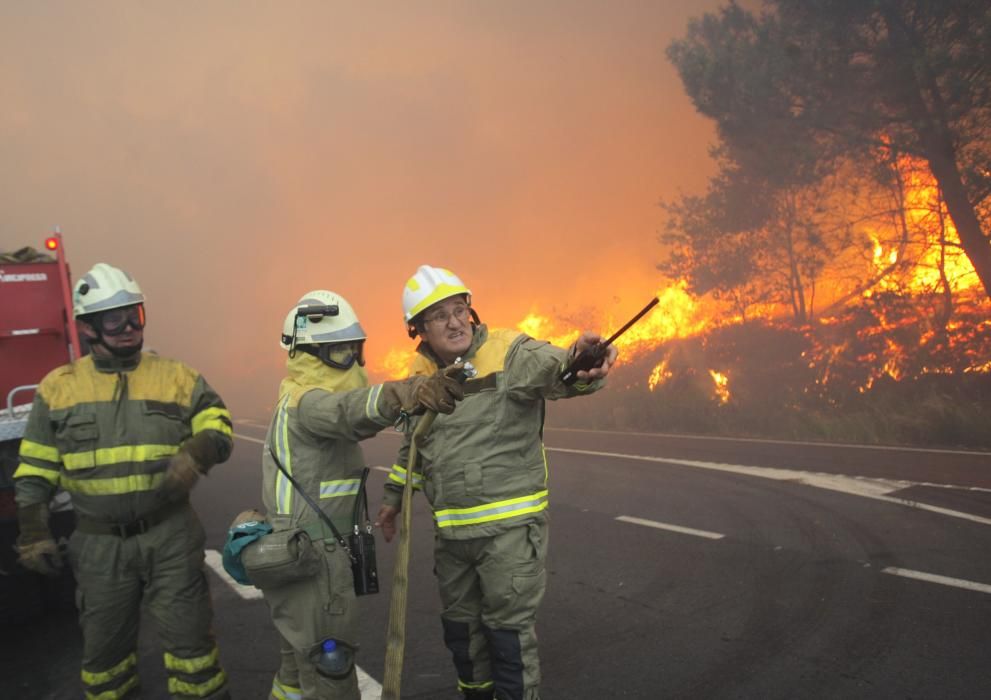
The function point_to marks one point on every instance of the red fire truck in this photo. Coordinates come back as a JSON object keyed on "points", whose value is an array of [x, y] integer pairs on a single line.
{"points": [[37, 334]]}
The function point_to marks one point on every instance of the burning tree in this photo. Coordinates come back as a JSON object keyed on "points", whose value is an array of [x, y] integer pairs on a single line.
{"points": [[813, 81]]}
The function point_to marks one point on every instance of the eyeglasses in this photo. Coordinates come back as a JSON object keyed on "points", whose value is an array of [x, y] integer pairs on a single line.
{"points": [[442, 317], [116, 321], [341, 355]]}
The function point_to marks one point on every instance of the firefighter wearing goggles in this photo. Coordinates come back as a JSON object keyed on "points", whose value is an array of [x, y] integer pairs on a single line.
{"points": [[127, 434], [484, 472], [325, 408]]}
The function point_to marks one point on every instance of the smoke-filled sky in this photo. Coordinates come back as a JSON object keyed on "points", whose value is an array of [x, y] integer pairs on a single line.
{"points": [[233, 155]]}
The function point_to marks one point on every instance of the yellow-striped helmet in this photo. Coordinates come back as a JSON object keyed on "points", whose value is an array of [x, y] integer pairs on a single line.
{"points": [[428, 286]]}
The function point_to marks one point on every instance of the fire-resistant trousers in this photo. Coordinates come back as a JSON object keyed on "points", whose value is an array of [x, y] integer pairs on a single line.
{"points": [[307, 612], [163, 569], [490, 589], [286, 685]]}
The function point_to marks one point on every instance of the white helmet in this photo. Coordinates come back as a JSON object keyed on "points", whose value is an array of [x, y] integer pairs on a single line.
{"points": [[428, 286], [318, 317], [102, 288]]}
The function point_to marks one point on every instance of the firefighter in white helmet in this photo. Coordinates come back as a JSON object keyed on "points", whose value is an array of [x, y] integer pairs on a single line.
{"points": [[484, 472], [325, 408], [127, 434]]}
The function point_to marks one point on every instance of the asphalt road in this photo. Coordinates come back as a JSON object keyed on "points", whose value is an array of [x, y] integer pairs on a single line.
{"points": [[679, 568]]}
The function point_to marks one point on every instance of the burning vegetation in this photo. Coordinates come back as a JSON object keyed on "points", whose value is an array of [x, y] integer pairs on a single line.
{"points": [[834, 280], [907, 358]]}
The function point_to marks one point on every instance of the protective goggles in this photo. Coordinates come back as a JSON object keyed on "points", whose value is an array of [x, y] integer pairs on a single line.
{"points": [[115, 321], [341, 355]]}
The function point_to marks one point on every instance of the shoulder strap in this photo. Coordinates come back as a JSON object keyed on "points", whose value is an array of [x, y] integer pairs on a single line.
{"points": [[310, 502]]}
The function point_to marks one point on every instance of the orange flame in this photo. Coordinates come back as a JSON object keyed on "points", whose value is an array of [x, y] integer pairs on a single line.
{"points": [[397, 362], [659, 375], [721, 388], [915, 261], [937, 245], [676, 316]]}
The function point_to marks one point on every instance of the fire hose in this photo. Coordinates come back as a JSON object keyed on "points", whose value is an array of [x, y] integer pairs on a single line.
{"points": [[395, 641]]}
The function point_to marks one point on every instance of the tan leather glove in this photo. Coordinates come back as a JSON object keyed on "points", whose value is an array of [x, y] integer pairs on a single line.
{"points": [[36, 548], [181, 476], [439, 392], [197, 455]]}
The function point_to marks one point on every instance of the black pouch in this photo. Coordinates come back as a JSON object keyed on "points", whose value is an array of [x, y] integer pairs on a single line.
{"points": [[362, 545]]}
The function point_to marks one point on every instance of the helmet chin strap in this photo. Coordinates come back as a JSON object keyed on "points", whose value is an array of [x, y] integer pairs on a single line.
{"points": [[122, 353]]}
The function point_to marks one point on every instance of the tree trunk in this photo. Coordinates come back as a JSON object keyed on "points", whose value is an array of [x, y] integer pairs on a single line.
{"points": [[973, 240]]}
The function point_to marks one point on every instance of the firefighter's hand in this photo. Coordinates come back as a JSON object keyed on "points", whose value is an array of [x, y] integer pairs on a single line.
{"points": [[586, 341], [181, 476], [386, 521], [440, 391], [42, 557]]}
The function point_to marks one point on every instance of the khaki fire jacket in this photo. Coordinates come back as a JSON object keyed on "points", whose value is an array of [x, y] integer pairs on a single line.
{"points": [[321, 416], [104, 430], [483, 468]]}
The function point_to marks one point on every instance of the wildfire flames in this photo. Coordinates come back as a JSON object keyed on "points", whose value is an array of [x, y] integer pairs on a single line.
{"points": [[920, 272]]}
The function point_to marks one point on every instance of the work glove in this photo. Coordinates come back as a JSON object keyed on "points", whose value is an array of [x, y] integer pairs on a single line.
{"points": [[439, 391], [36, 548], [184, 469], [413, 396], [181, 475]]}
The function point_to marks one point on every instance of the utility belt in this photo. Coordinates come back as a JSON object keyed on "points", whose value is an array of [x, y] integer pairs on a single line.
{"points": [[135, 527]]}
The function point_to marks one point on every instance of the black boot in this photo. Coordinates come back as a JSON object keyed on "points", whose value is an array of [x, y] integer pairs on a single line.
{"points": [[479, 694]]}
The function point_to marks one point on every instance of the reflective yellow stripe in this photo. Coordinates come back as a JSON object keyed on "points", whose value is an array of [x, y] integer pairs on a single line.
{"points": [[115, 485], [284, 691], [117, 455], [339, 487], [371, 404], [116, 693], [25, 469], [398, 476], [280, 434], [441, 291], [484, 685], [101, 677], [199, 690], [39, 451], [193, 665], [213, 419], [453, 517]]}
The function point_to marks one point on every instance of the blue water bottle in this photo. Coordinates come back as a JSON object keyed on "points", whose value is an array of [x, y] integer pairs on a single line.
{"points": [[335, 659]]}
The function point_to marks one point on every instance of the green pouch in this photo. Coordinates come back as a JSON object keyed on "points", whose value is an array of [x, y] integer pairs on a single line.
{"points": [[281, 558]]}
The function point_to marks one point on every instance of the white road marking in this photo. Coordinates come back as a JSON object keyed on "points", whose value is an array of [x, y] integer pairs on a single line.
{"points": [[935, 578], [215, 561], [370, 688], [887, 448], [672, 528], [249, 439], [866, 488]]}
